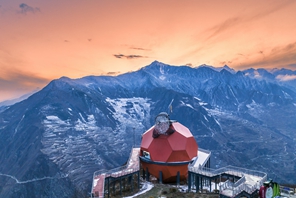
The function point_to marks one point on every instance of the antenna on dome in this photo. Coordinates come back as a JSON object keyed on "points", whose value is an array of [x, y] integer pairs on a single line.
{"points": [[170, 107]]}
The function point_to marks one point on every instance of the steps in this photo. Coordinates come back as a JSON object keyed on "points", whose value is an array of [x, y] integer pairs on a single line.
{"points": [[100, 176], [249, 182]]}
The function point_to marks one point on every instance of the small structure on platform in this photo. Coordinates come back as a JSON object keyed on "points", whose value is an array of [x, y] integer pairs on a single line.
{"points": [[166, 150]]}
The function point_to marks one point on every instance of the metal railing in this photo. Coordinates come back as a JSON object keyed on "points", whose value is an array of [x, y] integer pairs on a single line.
{"points": [[210, 172], [119, 171], [236, 171], [227, 184], [236, 187], [249, 189], [239, 182]]}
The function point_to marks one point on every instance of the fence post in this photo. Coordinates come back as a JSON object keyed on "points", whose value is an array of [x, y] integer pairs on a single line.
{"points": [[197, 183], [160, 177], [178, 178], [189, 181]]}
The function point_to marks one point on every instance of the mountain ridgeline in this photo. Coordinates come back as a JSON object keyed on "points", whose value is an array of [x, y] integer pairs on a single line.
{"points": [[52, 142]]}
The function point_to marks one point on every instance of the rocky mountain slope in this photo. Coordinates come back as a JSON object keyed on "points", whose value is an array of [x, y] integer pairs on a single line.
{"points": [[52, 142]]}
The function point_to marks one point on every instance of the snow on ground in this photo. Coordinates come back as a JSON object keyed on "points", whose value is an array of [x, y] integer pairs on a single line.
{"points": [[130, 110], [146, 187], [162, 77], [197, 98], [71, 146], [89, 125], [95, 182]]}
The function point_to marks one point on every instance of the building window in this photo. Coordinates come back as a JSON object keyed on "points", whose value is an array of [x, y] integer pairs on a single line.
{"points": [[146, 154]]}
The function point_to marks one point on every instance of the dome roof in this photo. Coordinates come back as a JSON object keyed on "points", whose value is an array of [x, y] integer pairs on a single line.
{"points": [[177, 146]]}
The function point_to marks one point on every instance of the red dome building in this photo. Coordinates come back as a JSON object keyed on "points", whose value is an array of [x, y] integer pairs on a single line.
{"points": [[166, 149]]}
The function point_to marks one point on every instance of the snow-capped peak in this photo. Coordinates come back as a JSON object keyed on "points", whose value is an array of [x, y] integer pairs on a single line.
{"points": [[218, 69]]}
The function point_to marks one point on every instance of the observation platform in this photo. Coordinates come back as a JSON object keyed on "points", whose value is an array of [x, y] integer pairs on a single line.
{"points": [[230, 181]]}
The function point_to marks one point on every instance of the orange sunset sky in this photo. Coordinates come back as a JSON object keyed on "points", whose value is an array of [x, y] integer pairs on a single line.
{"points": [[41, 40]]}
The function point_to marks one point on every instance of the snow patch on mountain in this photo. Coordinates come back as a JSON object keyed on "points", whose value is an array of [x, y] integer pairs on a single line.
{"points": [[86, 126], [187, 105], [255, 108], [56, 125], [60, 140], [219, 69], [162, 77], [197, 98], [130, 111]]}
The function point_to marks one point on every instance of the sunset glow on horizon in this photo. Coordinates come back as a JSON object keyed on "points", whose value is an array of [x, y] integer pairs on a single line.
{"points": [[44, 40]]}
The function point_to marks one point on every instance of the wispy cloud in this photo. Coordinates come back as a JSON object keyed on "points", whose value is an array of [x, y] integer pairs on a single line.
{"points": [[21, 81], [139, 48], [286, 77], [293, 65], [235, 21], [133, 56], [113, 73], [15, 84], [224, 26], [28, 9], [271, 9], [279, 56]]}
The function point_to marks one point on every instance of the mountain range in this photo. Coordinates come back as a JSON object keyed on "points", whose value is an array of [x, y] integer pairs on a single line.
{"points": [[53, 141]]}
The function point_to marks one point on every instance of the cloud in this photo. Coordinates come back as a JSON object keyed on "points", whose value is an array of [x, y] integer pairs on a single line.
{"points": [[233, 22], [21, 80], [225, 62], [133, 56], [271, 9], [139, 48], [224, 26], [118, 55], [228, 29], [26, 9], [133, 47], [279, 56], [293, 65], [17, 83], [286, 77], [113, 73]]}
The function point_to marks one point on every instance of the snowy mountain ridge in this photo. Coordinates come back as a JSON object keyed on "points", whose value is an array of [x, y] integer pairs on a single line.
{"points": [[73, 127]]}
